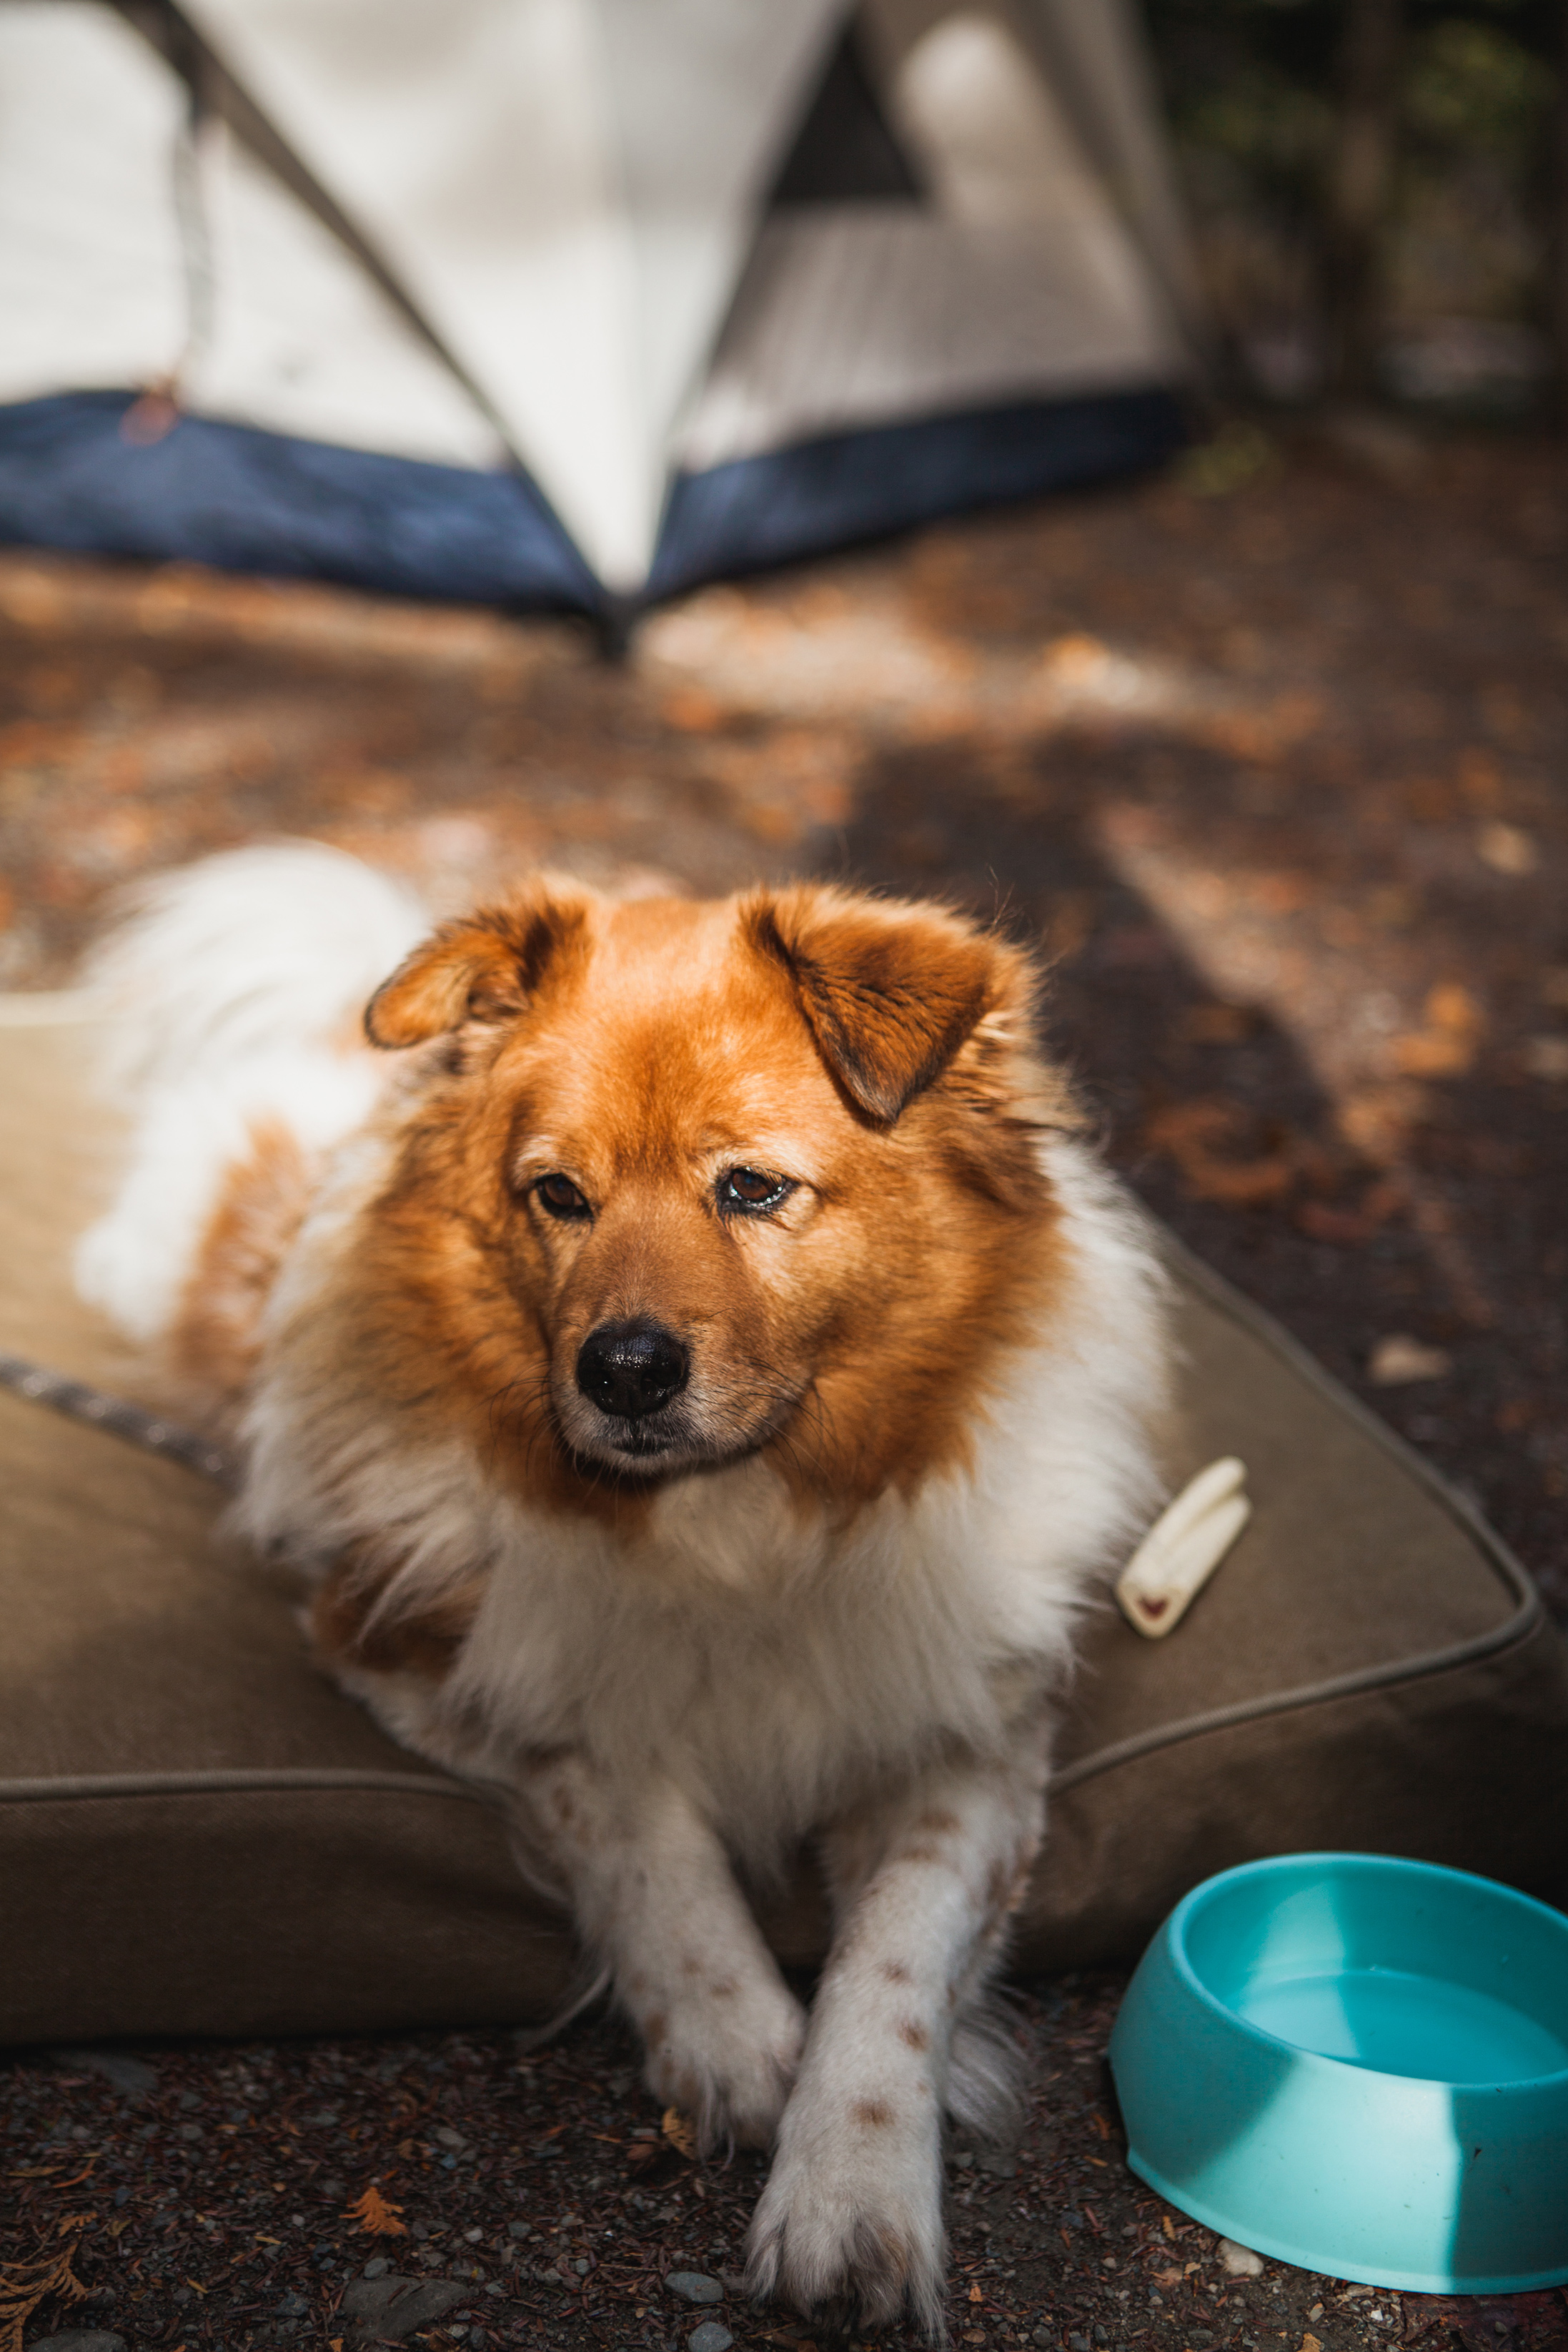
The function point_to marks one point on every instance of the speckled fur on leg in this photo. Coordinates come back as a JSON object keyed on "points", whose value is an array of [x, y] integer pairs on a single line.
{"points": [[853, 2214], [655, 1900]]}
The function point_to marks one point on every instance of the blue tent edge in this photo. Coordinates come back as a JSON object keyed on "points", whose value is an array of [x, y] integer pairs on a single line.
{"points": [[811, 496], [238, 499], [242, 499]]}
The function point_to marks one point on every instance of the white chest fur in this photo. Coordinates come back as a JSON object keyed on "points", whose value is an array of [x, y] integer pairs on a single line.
{"points": [[771, 1662]]}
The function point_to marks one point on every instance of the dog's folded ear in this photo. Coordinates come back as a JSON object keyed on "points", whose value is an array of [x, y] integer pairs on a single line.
{"points": [[889, 992], [482, 969]]}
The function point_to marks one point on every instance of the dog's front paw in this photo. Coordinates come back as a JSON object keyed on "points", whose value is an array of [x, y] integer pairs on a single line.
{"points": [[851, 2220], [728, 2059]]}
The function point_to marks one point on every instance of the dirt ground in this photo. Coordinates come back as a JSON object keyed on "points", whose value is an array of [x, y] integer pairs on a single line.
{"points": [[215, 2199], [1271, 753]]}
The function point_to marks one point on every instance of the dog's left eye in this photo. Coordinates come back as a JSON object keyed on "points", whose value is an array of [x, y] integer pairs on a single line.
{"points": [[749, 1190], [560, 1196]]}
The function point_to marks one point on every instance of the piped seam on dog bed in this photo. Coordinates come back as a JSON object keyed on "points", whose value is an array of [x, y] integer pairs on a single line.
{"points": [[249, 1780], [1518, 1630], [1514, 1634]]}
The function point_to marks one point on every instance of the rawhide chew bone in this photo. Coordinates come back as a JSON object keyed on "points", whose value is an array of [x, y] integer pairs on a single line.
{"points": [[1183, 1547]]}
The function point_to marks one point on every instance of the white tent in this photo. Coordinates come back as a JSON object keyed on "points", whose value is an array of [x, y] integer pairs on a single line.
{"points": [[571, 300]]}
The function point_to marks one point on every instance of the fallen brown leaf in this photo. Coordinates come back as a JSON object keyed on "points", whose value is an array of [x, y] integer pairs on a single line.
{"points": [[693, 711], [1195, 1133], [1218, 1024], [24, 2285], [679, 2130], [1434, 1053], [377, 2215], [1450, 1005], [1320, 1222]]}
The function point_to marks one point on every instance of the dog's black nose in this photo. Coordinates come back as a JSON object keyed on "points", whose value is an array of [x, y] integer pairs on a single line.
{"points": [[631, 1368]]}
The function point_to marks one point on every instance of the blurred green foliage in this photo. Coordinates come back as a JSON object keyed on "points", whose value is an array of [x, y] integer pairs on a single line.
{"points": [[1473, 86], [1251, 89], [1254, 80]]}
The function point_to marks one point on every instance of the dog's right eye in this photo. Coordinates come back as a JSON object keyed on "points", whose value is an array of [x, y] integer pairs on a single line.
{"points": [[560, 1196]]}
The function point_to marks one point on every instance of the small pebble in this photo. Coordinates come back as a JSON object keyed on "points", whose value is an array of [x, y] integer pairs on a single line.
{"points": [[1507, 849], [1398, 1359], [1546, 1057], [1241, 2262], [711, 2337], [695, 2286], [377, 2267]]}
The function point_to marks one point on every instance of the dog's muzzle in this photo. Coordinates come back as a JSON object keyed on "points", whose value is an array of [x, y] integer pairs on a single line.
{"points": [[629, 1370]]}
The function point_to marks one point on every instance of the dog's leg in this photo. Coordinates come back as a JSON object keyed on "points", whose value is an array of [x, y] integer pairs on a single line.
{"points": [[852, 2213], [656, 1903]]}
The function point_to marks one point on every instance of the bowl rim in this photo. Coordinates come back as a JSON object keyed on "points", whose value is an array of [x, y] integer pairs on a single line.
{"points": [[1175, 1933]]}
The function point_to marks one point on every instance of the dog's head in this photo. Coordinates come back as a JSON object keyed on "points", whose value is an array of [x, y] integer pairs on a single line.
{"points": [[684, 1180]]}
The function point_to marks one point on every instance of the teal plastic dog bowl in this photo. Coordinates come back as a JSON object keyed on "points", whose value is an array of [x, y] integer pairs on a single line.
{"points": [[1358, 2066]]}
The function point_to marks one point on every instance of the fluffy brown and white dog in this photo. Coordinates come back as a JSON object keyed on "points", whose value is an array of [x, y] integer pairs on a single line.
{"points": [[705, 1375]]}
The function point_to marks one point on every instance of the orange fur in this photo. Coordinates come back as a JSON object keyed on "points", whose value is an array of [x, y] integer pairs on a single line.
{"points": [[347, 1625], [879, 1053], [214, 1340]]}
